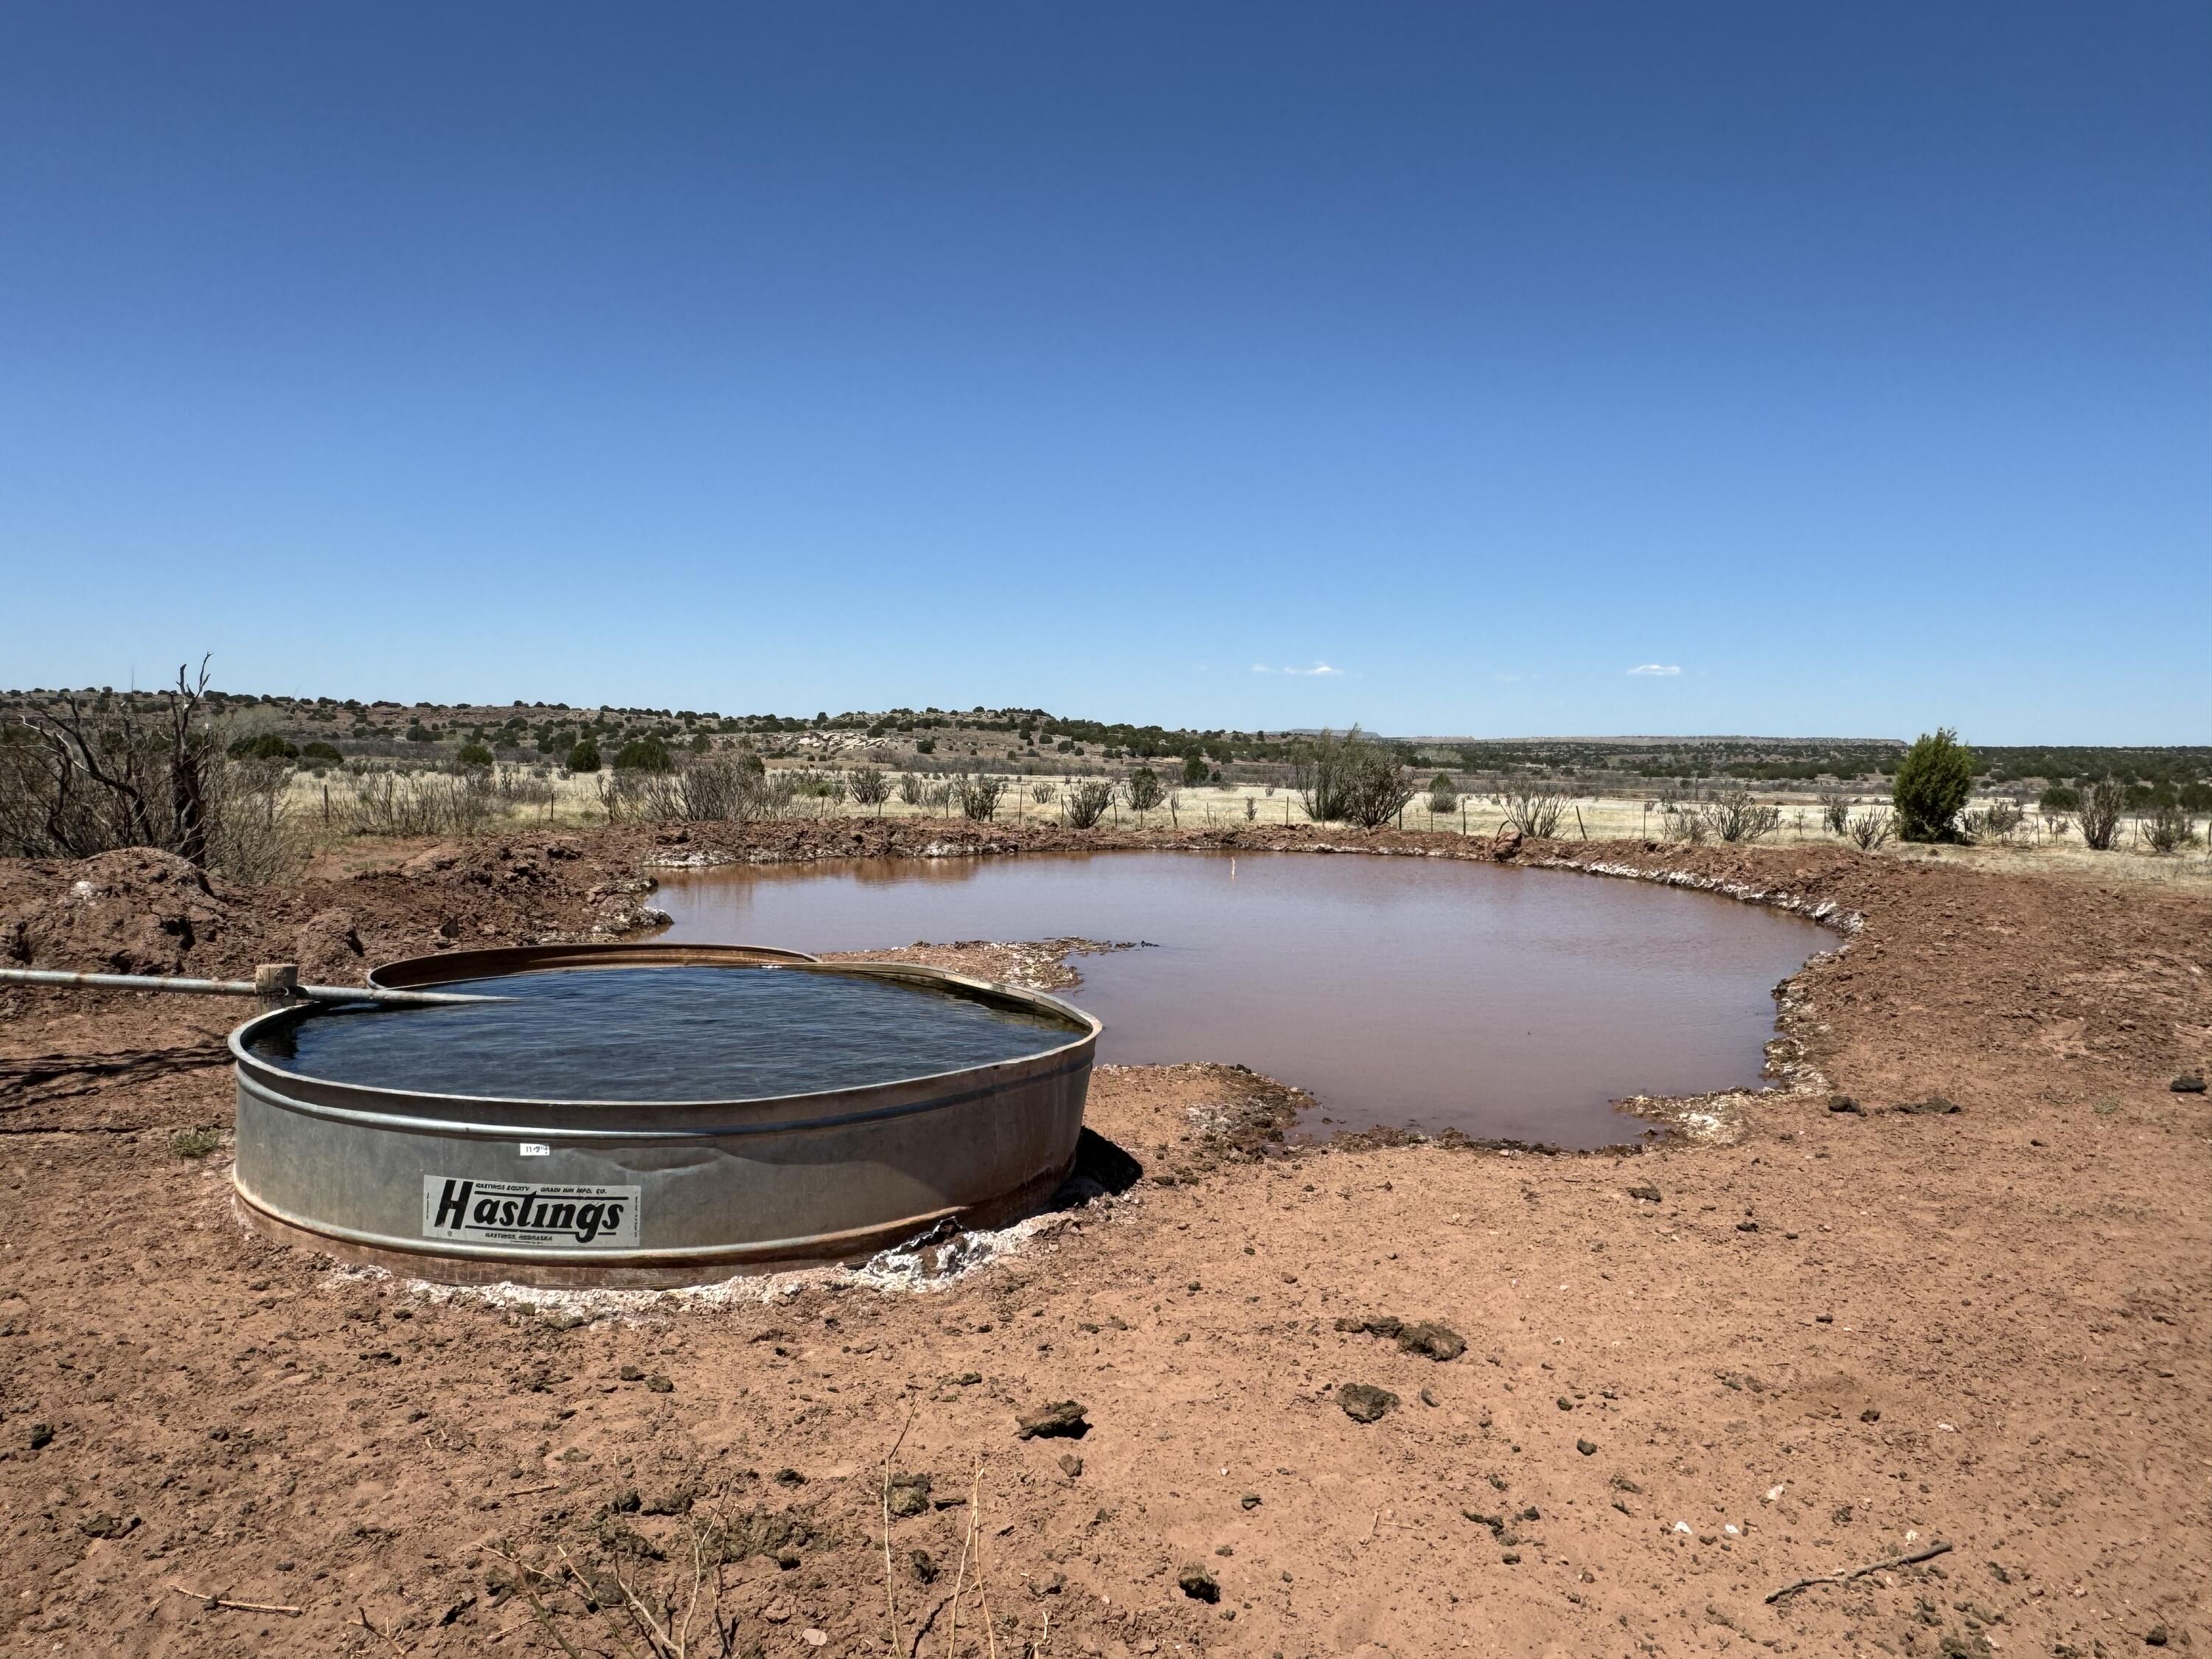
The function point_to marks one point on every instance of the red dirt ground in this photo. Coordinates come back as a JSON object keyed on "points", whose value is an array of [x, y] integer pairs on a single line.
{"points": [[1846, 1335]]}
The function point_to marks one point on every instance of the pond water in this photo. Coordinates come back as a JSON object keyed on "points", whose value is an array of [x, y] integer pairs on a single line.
{"points": [[660, 1034], [1430, 994]]}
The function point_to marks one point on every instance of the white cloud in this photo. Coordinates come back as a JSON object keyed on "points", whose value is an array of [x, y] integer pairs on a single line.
{"points": [[1318, 668], [1662, 668], [1261, 668]]}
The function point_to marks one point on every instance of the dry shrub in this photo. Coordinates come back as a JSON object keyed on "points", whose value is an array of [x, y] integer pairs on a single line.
{"points": [[711, 789], [1142, 791], [1870, 829], [1044, 794], [1734, 816], [1536, 813], [912, 788], [978, 795], [2100, 816], [1084, 803], [1836, 810], [2168, 829]]}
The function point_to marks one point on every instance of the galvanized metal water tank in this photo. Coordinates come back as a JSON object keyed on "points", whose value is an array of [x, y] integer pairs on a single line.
{"points": [[470, 1190]]}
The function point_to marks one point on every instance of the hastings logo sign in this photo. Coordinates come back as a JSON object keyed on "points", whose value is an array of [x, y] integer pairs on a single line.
{"points": [[527, 1213]]}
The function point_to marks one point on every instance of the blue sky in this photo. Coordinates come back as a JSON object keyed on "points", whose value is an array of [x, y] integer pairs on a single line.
{"points": [[1848, 369]]}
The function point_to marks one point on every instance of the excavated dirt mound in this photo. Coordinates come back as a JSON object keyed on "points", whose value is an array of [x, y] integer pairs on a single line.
{"points": [[1691, 1378]]}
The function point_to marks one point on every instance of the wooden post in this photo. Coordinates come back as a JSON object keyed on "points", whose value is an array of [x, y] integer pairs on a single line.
{"points": [[276, 983]]}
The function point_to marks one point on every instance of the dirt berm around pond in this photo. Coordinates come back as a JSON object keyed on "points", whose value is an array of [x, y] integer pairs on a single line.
{"points": [[1689, 1378]]}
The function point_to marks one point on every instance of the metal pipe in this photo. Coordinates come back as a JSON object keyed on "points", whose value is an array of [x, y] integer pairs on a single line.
{"points": [[237, 987]]}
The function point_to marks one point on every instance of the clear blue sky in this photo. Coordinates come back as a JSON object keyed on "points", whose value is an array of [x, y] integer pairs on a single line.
{"points": [[1851, 364]]}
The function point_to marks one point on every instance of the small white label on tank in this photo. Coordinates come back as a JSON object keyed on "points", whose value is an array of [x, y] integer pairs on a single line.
{"points": [[549, 1216], [536, 1149]]}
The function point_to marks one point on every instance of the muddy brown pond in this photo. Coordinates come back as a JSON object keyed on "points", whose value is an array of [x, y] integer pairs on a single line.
{"points": [[1430, 994]]}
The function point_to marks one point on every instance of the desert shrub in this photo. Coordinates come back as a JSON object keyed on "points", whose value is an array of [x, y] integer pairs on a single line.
{"points": [[647, 754], [869, 785], [1536, 813], [2060, 798], [1378, 786], [1251, 809], [319, 751], [1442, 801], [713, 788], [912, 787], [1999, 820], [474, 753], [1349, 777], [1734, 816], [267, 745], [2169, 829], [1870, 829], [84, 780], [1836, 812], [978, 795], [1933, 781], [1144, 790], [1194, 769], [1321, 773], [1442, 785], [1684, 819], [388, 802], [1084, 803], [584, 756], [254, 835], [2099, 815], [1044, 794]]}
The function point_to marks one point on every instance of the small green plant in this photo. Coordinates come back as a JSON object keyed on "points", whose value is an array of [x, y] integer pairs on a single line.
{"points": [[1044, 794], [1933, 781], [2060, 798], [2099, 815], [195, 1143], [584, 756], [912, 788], [1194, 769], [319, 751], [1836, 812], [869, 785], [474, 753]]}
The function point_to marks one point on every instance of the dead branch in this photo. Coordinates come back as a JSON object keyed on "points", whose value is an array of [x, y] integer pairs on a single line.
{"points": [[1849, 1573], [890, 1589], [237, 1607], [385, 1634]]}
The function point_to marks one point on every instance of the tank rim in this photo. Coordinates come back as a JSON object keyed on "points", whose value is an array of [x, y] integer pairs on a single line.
{"points": [[411, 972]]}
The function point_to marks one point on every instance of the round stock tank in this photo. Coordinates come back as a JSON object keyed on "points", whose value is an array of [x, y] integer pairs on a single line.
{"points": [[653, 1115]]}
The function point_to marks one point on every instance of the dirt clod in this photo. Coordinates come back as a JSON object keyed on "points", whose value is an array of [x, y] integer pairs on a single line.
{"points": [[908, 1495], [1845, 1103], [1644, 1194], [1061, 1417], [1197, 1583], [1365, 1403], [1934, 1106], [2189, 1083]]}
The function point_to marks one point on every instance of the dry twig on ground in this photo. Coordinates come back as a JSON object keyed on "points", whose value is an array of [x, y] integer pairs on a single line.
{"points": [[1848, 1573]]}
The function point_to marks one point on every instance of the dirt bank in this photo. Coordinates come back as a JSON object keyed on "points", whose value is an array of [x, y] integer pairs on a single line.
{"points": [[1849, 1336]]}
